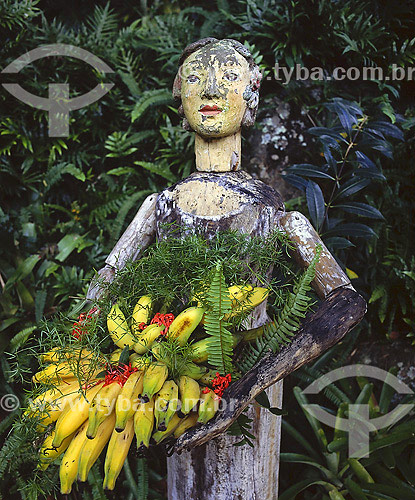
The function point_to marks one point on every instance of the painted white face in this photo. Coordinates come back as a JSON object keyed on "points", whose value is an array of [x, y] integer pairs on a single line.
{"points": [[214, 79]]}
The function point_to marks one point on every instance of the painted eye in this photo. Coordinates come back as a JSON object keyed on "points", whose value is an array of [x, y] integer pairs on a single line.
{"points": [[193, 79], [230, 76]]}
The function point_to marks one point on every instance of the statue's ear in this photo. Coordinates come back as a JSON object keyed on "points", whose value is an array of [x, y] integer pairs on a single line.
{"points": [[249, 116]]}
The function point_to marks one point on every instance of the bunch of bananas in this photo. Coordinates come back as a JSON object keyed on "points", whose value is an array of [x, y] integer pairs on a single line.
{"points": [[94, 402]]}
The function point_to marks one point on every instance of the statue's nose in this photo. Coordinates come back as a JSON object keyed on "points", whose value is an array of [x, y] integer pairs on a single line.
{"points": [[211, 88]]}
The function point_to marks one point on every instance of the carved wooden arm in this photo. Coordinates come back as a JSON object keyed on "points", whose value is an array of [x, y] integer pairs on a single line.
{"points": [[342, 309], [135, 239]]}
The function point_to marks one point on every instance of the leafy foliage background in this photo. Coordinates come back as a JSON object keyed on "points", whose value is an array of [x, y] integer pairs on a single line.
{"points": [[65, 202]]}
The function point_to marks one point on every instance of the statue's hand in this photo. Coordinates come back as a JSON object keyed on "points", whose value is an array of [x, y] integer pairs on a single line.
{"points": [[95, 290]]}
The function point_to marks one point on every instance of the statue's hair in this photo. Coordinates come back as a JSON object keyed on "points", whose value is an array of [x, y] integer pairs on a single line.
{"points": [[251, 93]]}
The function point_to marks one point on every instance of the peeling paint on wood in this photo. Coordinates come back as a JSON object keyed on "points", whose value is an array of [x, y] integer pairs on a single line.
{"points": [[329, 275]]}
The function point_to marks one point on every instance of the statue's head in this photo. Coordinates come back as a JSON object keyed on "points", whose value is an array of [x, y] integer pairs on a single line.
{"points": [[218, 87]]}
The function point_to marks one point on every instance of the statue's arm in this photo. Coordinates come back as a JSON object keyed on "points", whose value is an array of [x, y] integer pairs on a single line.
{"points": [[136, 238], [329, 275]]}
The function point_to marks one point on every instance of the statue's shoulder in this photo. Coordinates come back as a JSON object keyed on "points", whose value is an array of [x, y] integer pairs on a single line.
{"points": [[223, 189]]}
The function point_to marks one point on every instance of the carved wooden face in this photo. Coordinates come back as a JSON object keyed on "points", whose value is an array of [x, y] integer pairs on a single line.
{"points": [[214, 79]]}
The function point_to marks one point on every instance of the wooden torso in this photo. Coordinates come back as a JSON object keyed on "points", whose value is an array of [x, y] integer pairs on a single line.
{"points": [[207, 202]]}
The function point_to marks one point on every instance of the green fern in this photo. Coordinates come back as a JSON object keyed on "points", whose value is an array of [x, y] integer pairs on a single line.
{"points": [[221, 340], [280, 331], [149, 98]]}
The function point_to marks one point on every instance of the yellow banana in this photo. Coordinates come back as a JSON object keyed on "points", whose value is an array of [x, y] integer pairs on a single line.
{"points": [[187, 423], [118, 328], [48, 453], [74, 415], [127, 401], [55, 408], [58, 354], [101, 406], [238, 293], [58, 372], [117, 451], [165, 405], [185, 323], [69, 465], [147, 337], [92, 447], [209, 404], [159, 436], [144, 423], [154, 378], [189, 394], [141, 313], [40, 404], [253, 299]]}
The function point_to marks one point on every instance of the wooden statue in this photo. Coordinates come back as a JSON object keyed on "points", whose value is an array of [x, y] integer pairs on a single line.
{"points": [[218, 89]]}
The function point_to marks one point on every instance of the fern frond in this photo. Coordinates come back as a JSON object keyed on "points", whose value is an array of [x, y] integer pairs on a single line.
{"points": [[149, 98], [280, 331], [220, 338]]}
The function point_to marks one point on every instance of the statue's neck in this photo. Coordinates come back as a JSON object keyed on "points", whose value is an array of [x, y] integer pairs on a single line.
{"points": [[222, 154]]}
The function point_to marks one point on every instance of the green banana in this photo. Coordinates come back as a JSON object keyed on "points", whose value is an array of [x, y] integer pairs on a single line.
{"points": [[195, 371], [117, 451], [189, 394], [144, 423], [200, 349], [154, 378], [209, 404], [165, 405]]}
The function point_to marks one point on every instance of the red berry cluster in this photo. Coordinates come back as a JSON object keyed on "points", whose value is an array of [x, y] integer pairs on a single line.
{"points": [[220, 383], [80, 328], [119, 374], [160, 319]]}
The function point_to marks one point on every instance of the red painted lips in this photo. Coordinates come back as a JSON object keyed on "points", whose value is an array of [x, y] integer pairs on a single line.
{"points": [[210, 110]]}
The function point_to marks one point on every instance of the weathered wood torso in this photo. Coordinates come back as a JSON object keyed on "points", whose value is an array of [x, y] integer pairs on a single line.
{"points": [[205, 203]]}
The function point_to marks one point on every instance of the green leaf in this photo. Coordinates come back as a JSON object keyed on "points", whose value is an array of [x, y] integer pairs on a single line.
{"points": [[280, 331], [151, 98], [220, 347], [20, 338], [67, 245], [293, 491], [308, 170], [315, 203], [23, 270], [360, 209], [352, 229], [161, 169]]}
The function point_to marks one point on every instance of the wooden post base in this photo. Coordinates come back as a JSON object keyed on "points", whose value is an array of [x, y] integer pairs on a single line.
{"points": [[220, 471]]}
